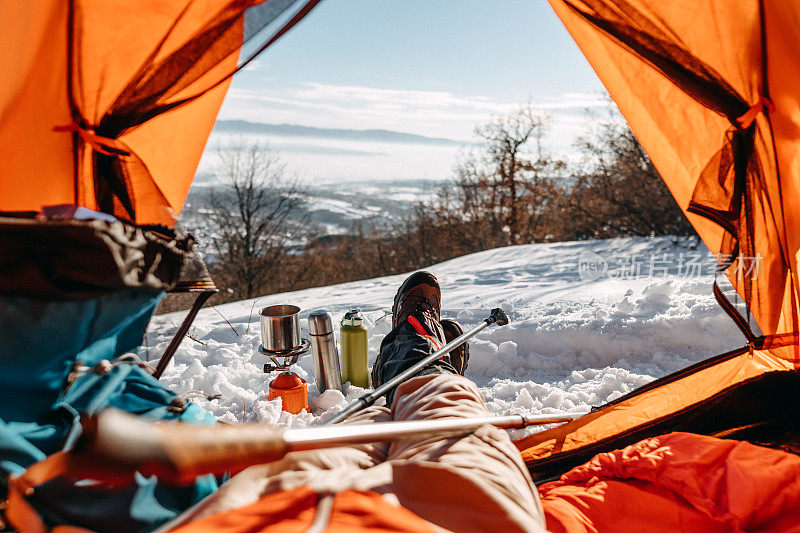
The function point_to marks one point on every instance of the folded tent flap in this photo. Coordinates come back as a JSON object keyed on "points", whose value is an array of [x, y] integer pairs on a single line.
{"points": [[81, 259], [716, 113], [743, 394], [109, 104]]}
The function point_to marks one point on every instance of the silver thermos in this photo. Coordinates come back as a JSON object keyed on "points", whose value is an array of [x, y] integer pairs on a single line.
{"points": [[327, 373]]}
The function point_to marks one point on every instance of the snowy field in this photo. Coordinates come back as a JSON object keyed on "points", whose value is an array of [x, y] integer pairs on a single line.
{"points": [[590, 321]]}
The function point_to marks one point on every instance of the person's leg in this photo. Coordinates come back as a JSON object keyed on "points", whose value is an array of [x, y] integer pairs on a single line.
{"points": [[473, 483], [480, 482], [332, 469], [325, 470], [404, 346]]}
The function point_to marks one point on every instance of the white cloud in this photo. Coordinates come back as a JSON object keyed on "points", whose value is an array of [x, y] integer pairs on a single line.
{"points": [[430, 113]]}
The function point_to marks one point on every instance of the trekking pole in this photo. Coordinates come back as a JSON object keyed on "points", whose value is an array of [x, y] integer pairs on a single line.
{"points": [[497, 316], [114, 444]]}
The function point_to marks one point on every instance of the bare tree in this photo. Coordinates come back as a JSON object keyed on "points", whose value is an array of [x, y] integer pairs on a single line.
{"points": [[257, 215], [617, 190], [505, 139], [506, 190]]}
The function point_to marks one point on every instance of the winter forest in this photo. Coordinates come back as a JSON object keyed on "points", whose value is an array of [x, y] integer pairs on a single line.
{"points": [[506, 190]]}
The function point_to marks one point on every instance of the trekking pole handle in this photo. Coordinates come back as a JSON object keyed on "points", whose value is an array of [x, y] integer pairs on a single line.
{"points": [[115, 443], [497, 316]]}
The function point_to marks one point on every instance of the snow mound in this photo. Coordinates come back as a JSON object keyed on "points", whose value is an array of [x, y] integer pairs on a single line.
{"points": [[573, 342]]}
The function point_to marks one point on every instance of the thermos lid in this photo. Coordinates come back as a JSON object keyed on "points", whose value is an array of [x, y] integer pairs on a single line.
{"points": [[353, 318], [320, 323]]}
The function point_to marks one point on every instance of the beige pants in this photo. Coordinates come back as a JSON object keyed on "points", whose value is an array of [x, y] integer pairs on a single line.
{"points": [[473, 483]]}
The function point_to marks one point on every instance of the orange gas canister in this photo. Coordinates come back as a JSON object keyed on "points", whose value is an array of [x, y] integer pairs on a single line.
{"points": [[293, 391]]}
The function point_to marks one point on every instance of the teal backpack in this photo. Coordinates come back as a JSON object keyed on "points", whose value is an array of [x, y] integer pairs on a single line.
{"points": [[75, 300]]}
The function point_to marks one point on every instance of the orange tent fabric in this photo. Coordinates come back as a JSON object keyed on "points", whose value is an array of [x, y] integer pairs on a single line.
{"points": [[678, 482], [295, 511], [646, 406], [108, 103], [710, 88], [103, 44]]}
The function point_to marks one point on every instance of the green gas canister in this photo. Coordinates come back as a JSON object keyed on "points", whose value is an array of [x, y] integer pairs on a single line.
{"points": [[353, 338]]}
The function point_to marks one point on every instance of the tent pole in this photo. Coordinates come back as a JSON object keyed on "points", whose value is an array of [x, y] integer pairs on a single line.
{"points": [[181, 333], [114, 444]]}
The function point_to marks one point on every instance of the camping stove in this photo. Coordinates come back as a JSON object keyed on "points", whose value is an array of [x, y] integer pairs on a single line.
{"points": [[281, 342]]}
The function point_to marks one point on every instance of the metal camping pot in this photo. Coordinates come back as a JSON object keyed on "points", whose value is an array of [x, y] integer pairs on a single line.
{"points": [[323, 350], [280, 328]]}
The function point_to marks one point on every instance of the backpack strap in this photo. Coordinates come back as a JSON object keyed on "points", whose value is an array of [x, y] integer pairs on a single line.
{"points": [[19, 512]]}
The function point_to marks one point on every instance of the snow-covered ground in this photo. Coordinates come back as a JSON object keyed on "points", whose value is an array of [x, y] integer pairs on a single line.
{"points": [[590, 321]]}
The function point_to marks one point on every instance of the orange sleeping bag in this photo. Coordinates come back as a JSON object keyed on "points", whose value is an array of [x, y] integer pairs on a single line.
{"points": [[678, 482], [674, 482], [294, 511]]}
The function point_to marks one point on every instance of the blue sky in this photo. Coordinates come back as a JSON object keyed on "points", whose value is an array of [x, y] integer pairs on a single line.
{"points": [[432, 67], [391, 61]]}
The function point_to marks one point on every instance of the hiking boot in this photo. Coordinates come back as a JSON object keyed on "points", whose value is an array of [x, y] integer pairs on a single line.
{"points": [[459, 357], [420, 292], [415, 331]]}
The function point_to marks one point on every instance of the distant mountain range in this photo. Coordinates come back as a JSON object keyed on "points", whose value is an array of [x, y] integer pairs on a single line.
{"points": [[293, 130]]}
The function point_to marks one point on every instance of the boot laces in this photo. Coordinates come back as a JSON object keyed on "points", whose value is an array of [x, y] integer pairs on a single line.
{"points": [[418, 303]]}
